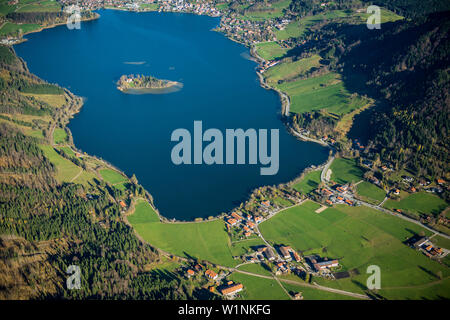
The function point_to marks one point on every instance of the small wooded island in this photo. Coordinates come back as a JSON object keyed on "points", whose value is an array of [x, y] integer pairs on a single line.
{"points": [[146, 84]]}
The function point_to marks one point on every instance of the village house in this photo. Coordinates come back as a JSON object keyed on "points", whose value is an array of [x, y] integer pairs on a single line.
{"points": [[211, 274], [285, 252], [269, 254], [190, 272], [237, 217], [296, 256], [319, 266], [232, 289]]}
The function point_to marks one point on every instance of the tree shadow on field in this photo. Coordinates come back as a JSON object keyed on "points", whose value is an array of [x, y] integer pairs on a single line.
{"points": [[359, 284], [189, 257], [164, 274], [429, 272]]}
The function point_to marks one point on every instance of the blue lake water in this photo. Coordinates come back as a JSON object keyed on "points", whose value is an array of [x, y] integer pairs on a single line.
{"points": [[133, 132]]}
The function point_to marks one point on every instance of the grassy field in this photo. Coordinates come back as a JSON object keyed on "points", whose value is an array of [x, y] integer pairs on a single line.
{"points": [[256, 288], [39, 6], [345, 171], [242, 247], [59, 136], [274, 11], [298, 28], [368, 191], [143, 213], [358, 237], [204, 240], [325, 92], [86, 178], [55, 100], [441, 241], [255, 268], [66, 170], [418, 203], [14, 28], [112, 176], [309, 183], [270, 50], [67, 151], [290, 70], [314, 294]]}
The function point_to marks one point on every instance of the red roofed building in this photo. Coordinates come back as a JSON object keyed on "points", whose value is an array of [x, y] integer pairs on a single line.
{"points": [[235, 288], [211, 274]]}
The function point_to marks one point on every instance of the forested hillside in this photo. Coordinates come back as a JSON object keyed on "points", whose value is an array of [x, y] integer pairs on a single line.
{"points": [[404, 65], [47, 224]]}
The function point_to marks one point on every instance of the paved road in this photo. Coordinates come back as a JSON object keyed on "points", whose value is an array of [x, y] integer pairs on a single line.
{"points": [[401, 216], [304, 284], [325, 170]]}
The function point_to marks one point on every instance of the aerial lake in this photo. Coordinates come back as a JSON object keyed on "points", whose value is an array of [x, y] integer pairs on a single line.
{"points": [[133, 131]]}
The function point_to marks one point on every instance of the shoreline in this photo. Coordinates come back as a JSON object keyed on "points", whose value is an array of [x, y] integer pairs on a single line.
{"points": [[54, 25], [149, 197]]}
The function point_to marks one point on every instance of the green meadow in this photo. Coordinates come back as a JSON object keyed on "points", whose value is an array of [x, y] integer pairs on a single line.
{"points": [[441, 241], [309, 182], [270, 50], [325, 92], [14, 28], [241, 247], [358, 237], [345, 171], [255, 268], [204, 240], [59, 136], [65, 169], [68, 151], [112, 176], [256, 288], [418, 203], [314, 294], [291, 69], [370, 192], [299, 27], [39, 6], [275, 10]]}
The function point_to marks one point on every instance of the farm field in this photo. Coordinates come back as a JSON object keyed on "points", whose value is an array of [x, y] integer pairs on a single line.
{"points": [[112, 176], [66, 170], [325, 92], [314, 294], [203, 240], [39, 6], [274, 11], [370, 192], [242, 247], [14, 28], [309, 182], [270, 50], [67, 151], [346, 171], [441, 241], [255, 268], [418, 203], [256, 288], [291, 69], [298, 28], [358, 237], [55, 100], [86, 178], [59, 136]]}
